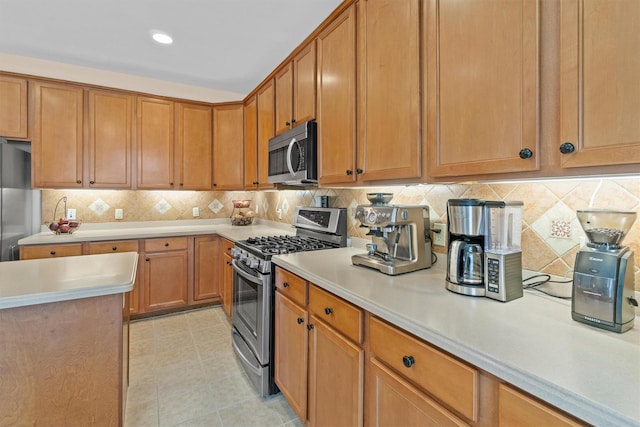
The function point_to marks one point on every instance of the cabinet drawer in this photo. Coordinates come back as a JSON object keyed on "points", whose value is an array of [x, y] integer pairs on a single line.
{"points": [[167, 244], [338, 313], [113, 247], [517, 409], [50, 251], [449, 380], [294, 287]]}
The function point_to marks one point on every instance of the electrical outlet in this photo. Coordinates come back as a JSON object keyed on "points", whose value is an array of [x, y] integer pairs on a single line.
{"points": [[439, 234], [279, 212], [119, 214], [71, 214], [196, 212]]}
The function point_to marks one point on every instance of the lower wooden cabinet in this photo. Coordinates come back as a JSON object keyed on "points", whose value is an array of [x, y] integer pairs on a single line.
{"points": [[50, 251], [225, 265], [166, 273], [206, 281]]}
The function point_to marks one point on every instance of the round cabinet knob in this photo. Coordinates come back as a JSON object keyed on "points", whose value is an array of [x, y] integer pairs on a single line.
{"points": [[349, 172], [293, 121], [328, 310], [92, 182], [526, 153], [300, 320], [255, 183], [78, 181], [146, 259], [52, 253], [359, 171], [285, 284], [166, 244], [115, 248], [309, 326], [288, 123], [171, 184], [567, 148], [408, 361]]}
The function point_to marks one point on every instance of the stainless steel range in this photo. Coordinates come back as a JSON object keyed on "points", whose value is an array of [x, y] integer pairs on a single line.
{"points": [[254, 289]]}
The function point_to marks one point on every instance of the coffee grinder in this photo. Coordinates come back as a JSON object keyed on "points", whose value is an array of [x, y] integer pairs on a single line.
{"points": [[465, 260], [502, 250], [603, 284]]}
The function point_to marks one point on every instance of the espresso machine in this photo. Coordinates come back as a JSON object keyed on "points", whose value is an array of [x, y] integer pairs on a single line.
{"points": [[603, 283], [502, 250], [400, 240], [465, 261]]}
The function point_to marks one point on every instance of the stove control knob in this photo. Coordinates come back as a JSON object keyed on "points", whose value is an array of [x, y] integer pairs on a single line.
{"points": [[254, 263], [235, 252], [243, 255]]}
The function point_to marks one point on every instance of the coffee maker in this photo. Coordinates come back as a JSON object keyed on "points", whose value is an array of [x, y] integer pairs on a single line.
{"points": [[465, 261], [603, 283], [400, 240]]}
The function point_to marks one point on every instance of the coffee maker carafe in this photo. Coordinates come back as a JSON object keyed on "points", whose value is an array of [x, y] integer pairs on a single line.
{"points": [[465, 269], [603, 283]]}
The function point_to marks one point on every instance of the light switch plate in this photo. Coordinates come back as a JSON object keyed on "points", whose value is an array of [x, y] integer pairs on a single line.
{"points": [[71, 214], [196, 211], [119, 214], [439, 234]]}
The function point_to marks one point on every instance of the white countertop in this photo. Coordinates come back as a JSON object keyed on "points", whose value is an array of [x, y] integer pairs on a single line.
{"points": [[531, 342], [40, 281]]}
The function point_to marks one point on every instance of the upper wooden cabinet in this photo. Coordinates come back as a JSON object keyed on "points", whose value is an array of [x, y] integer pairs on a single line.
{"points": [[194, 153], [251, 143], [228, 144], [266, 131], [13, 107], [336, 91], [295, 86], [155, 129], [389, 95], [482, 87], [600, 89], [57, 138], [110, 140]]}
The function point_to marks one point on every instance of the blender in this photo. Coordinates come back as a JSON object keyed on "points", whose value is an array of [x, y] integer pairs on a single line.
{"points": [[503, 253], [603, 284]]}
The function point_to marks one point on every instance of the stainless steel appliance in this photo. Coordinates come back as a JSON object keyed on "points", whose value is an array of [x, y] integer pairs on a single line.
{"points": [[19, 204], [254, 289], [400, 241], [502, 250], [603, 283], [293, 156], [465, 261]]}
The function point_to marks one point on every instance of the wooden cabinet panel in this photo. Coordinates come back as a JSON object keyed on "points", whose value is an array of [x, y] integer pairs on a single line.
{"points": [[336, 91], [291, 343], [482, 86], [206, 275], [155, 131], [50, 251], [228, 143], [110, 139], [284, 98], [304, 84], [392, 401], [57, 140], [600, 89], [266, 131], [292, 286], [390, 95], [334, 400], [341, 315], [13, 107], [251, 143], [165, 244], [517, 409], [451, 381], [194, 148], [165, 280]]}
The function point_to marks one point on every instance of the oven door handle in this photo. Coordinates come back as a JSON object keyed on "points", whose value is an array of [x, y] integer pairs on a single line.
{"points": [[247, 276], [289, 164]]}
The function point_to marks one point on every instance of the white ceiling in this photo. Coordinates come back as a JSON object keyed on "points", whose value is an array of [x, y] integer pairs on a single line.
{"points": [[226, 45]]}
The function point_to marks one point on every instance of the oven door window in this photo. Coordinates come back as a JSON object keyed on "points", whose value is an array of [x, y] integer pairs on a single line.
{"points": [[247, 301]]}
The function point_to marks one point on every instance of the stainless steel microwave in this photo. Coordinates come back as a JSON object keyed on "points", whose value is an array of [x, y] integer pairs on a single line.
{"points": [[293, 156]]}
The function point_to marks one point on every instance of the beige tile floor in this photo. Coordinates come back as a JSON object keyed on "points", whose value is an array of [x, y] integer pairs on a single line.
{"points": [[183, 372]]}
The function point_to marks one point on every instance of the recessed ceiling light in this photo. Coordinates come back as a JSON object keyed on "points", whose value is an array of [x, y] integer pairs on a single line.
{"points": [[161, 37]]}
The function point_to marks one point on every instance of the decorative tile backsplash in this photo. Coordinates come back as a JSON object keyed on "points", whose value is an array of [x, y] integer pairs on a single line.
{"points": [[551, 233]]}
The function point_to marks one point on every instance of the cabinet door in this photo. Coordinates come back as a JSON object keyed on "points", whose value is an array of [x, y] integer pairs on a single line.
{"points": [[304, 84], [600, 89], [50, 251], [155, 130], [110, 136], [165, 280], [194, 151], [266, 131], [284, 98], [57, 140], [206, 279], [228, 143], [392, 401], [291, 343], [251, 143], [390, 138], [334, 400], [482, 90], [13, 107], [336, 93]]}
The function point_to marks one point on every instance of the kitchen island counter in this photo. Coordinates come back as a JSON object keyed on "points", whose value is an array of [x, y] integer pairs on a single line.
{"points": [[530, 342]]}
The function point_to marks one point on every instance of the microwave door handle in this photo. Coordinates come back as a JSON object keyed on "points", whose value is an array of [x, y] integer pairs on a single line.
{"points": [[289, 165]]}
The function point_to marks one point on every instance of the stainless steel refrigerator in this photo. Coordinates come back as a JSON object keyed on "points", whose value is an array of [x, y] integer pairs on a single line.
{"points": [[19, 203]]}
